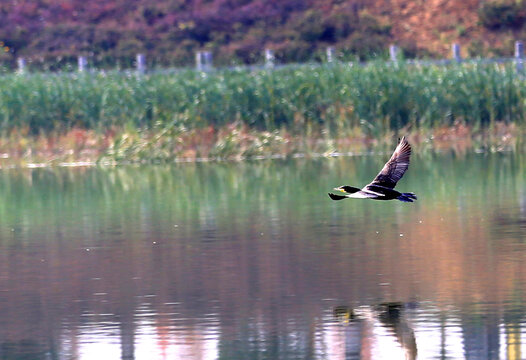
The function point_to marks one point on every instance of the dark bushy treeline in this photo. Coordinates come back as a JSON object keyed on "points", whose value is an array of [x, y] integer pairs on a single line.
{"points": [[111, 32]]}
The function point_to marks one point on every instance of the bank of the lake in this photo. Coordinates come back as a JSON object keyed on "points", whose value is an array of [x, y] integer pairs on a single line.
{"points": [[235, 142]]}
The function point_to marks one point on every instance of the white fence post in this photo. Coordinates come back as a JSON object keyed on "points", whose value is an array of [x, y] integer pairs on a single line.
{"points": [[519, 55], [82, 62], [330, 54], [199, 61], [203, 60], [269, 58], [393, 53], [21, 65], [455, 52], [208, 59], [141, 63]]}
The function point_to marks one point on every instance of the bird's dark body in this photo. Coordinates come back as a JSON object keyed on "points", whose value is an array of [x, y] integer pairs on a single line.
{"points": [[382, 187], [389, 194]]}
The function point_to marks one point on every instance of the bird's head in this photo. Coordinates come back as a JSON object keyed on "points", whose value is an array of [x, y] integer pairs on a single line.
{"points": [[347, 189]]}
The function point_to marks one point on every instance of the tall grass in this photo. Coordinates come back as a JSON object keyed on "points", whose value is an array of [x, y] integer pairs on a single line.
{"points": [[376, 98]]}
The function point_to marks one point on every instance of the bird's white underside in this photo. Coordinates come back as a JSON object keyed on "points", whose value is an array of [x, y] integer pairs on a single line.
{"points": [[364, 194]]}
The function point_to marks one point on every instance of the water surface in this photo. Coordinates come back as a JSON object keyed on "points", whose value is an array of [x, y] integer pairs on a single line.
{"points": [[254, 261]]}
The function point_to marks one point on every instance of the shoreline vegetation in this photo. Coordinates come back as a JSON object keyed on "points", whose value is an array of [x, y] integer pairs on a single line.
{"points": [[81, 147], [308, 110]]}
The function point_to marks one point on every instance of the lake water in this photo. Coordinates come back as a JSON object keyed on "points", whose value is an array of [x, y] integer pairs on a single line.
{"points": [[254, 261]]}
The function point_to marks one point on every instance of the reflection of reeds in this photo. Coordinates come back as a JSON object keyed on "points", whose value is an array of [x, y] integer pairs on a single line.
{"points": [[259, 240]]}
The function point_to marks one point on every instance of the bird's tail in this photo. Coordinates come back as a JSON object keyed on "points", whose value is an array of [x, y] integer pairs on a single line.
{"points": [[407, 197]]}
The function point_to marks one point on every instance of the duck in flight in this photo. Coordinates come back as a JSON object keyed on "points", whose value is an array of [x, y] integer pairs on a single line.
{"points": [[382, 187]]}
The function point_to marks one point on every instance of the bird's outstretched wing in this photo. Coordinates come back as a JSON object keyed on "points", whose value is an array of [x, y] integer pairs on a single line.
{"points": [[395, 168]]}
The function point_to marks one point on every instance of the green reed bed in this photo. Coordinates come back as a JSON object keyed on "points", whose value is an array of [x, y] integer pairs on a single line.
{"points": [[171, 115], [377, 98]]}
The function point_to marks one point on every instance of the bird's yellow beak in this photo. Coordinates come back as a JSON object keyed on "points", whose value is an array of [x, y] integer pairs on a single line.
{"points": [[339, 189]]}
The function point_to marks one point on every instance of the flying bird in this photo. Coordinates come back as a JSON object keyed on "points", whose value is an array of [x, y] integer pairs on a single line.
{"points": [[382, 187]]}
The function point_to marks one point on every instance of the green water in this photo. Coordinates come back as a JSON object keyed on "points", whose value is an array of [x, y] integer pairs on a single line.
{"points": [[254, 261]]}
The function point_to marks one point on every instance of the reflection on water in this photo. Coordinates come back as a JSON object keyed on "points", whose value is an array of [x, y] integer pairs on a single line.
{"points": [[360, 324], [253, 261]]}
